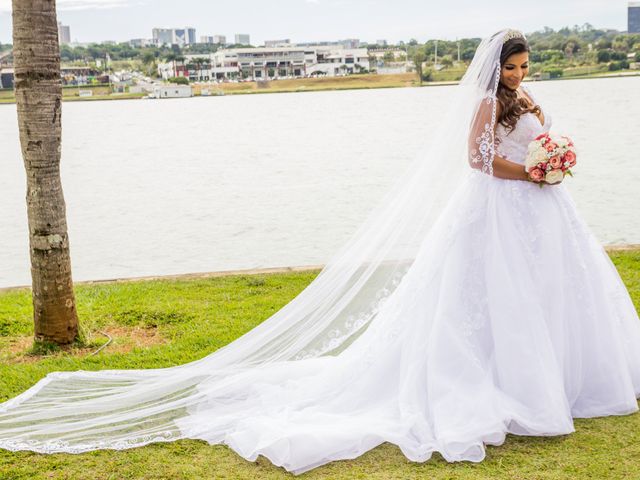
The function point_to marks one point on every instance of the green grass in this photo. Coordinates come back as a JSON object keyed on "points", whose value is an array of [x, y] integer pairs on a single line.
{"points": [[161, 323]]}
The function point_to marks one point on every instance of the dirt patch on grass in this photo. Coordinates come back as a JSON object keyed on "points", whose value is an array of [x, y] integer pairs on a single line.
{"points": [[123, 340]]}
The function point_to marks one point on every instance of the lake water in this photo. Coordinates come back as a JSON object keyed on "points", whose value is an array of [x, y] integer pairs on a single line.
{"points": [[251, 181]]}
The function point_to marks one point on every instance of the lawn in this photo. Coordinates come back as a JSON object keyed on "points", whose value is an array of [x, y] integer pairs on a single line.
{"points": [[156, 323]]}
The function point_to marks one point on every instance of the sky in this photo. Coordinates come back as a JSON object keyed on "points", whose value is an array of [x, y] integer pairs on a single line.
{"points": [[316, 20]]}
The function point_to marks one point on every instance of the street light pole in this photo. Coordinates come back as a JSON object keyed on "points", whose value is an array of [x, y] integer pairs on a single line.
{"points": [[435, 58]]}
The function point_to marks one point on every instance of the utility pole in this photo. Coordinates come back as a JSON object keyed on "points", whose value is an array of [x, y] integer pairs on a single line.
{"points": [[435, 55]]}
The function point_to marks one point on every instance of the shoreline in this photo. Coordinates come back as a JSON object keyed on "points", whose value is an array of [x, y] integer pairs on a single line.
{"points": [[249, 271], [304, 88]]}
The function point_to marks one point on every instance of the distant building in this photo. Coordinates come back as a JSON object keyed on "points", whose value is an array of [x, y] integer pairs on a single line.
{"points": [[64, 34], [633, 17], [162, 36], [214, 40], [6, 77], [140, 42], [180, 36], [78, 75], [242, 39], [350, 43], [318, 44], [172, 91], [174, 36], [277, 43], [382, 43], [379, 53], [257, 63], [191, 35]]}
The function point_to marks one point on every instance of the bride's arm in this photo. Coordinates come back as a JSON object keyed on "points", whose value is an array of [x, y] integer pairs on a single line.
{"points": [[502, 168]]}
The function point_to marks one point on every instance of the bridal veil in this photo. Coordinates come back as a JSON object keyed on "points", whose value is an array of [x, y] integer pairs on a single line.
{"points": [[116, 409]]}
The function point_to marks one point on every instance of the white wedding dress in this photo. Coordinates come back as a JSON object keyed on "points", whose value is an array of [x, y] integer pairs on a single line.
{"points": [[510, 319]]}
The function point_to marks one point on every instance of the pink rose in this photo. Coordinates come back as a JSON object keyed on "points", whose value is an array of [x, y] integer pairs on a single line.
{"points": [[536, 174], [570, 157], [550, 146], [541, 136], [555, 161]]}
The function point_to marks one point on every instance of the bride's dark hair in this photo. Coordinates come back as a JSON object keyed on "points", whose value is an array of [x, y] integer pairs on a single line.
{"points": [[512, 106]]}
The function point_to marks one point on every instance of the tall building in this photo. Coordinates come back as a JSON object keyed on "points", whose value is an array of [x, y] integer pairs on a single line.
{"points": [[242, 39], [162, 36], [171, 36], [214, 40], [180, 36], [633, 17], [190, 35], [64, 34]]}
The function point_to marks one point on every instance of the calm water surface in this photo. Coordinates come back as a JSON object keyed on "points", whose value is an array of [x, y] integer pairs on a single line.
{"points": [[219, 183]]}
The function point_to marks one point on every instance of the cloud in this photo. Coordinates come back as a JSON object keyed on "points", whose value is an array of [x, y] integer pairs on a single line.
{"points": [[74, 5]]}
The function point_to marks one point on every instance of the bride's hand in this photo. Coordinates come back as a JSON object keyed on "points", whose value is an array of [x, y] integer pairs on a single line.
{"points": [[543, 182], [530, 179]]}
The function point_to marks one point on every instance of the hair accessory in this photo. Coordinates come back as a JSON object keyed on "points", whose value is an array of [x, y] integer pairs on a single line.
{"points": [[512, 34]]}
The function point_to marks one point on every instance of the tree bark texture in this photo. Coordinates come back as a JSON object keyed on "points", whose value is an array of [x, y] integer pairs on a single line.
{"points": [[38, 91]]}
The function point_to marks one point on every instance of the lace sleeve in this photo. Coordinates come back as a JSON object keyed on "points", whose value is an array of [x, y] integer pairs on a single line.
{"points": [[481, 141]]}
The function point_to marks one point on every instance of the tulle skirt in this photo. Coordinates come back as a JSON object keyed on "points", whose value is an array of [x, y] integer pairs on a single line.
{"points": [[511, 320]]}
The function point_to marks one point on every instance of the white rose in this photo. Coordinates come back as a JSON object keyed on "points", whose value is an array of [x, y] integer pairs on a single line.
{"points": [[530, 162], [554, 176], [541, 156], [534, 145], [535, 157]]}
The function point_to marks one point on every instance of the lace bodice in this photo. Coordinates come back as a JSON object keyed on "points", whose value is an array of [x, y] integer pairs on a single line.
{"points": [[513, 146]]}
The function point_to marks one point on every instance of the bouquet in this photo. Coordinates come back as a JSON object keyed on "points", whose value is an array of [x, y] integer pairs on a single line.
{"points": [[549, 158]]}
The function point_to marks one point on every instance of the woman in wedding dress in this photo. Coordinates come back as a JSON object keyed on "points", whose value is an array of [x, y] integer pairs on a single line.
{"points": [[471, 303]]}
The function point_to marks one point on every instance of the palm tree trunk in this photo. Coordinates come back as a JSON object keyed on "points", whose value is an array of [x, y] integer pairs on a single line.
{"points": [[38, 93]]}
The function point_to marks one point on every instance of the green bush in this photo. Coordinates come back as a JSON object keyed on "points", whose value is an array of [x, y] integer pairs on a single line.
{"points": [[554, 72], [621, 65], [179, 80]]}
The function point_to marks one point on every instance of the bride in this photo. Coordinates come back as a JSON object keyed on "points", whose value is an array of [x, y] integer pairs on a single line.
{"points": [[470, 304]]}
